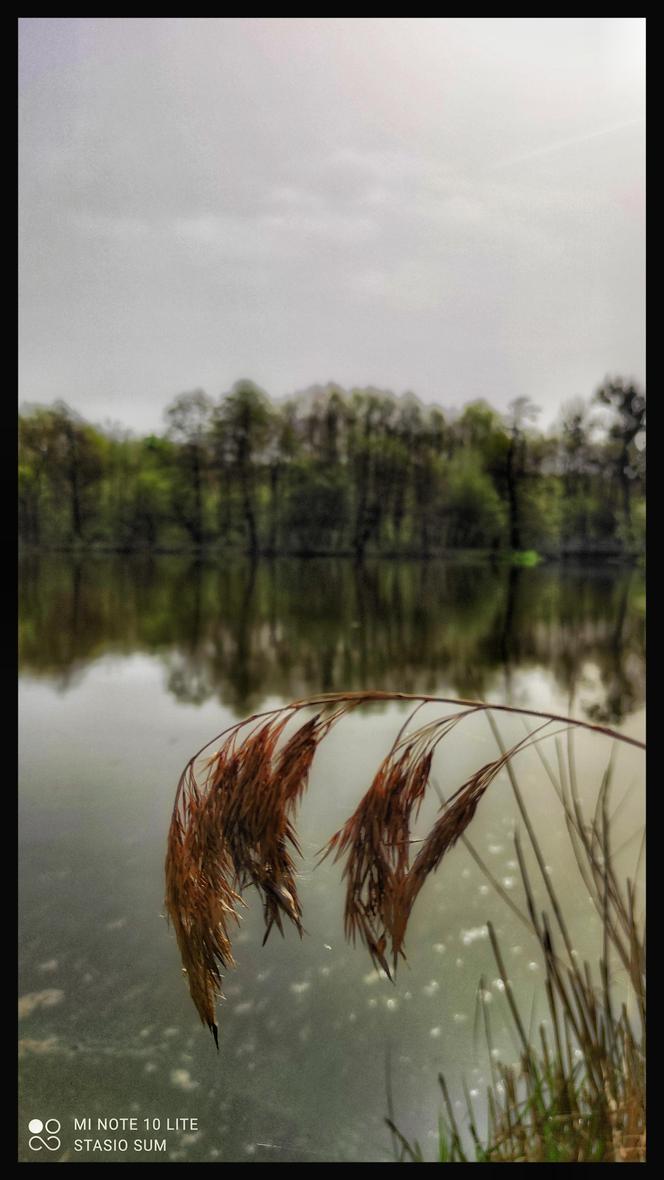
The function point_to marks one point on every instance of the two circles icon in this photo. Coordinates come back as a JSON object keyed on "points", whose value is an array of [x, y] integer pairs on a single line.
{"points": [[44, 1135]]}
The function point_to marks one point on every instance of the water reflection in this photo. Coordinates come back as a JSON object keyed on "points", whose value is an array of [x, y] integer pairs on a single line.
{"points": [[128, 667], [240, 632]]}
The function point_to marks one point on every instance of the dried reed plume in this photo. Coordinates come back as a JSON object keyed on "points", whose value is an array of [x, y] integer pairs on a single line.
{"points": [[232, 826]]}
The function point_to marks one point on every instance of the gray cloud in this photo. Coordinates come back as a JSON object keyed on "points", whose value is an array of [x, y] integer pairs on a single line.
{"points": [[453, 206]]}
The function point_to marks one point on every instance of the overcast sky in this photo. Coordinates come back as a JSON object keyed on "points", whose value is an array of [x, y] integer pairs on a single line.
{"points": [[451, 206]]}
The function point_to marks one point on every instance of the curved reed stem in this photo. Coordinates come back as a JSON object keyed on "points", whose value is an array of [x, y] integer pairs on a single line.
{"points": [[232, 825]]}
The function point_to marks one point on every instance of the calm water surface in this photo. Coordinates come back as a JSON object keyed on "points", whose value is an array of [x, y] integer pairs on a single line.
{"points": [[128, 667]]}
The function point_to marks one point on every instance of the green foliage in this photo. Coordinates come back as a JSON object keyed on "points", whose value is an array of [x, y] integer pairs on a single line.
{"points": [[337, 472], [526, 557], [476, 516], [316, 512]]}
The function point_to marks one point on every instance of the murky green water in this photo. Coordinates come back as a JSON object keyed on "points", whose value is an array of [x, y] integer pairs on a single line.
{"points": [[128, 667]]}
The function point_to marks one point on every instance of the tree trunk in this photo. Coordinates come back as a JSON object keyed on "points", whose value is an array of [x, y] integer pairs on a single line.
{"points": [[512, 499], [274, 507], [249, 515]]}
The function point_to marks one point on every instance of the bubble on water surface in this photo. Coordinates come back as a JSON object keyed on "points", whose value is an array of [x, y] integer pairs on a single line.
{"points": [[182, 1080], [243, 1008], [473, 934], [49, 966]]}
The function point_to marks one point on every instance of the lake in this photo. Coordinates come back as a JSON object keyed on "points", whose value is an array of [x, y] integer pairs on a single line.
{"points": [[128, 666]]}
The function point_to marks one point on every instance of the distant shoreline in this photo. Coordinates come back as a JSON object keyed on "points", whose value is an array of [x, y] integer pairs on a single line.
{"points": [[214, 552]]}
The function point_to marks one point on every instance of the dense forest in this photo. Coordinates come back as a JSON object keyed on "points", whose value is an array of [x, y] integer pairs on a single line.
{"points": [[330, 471]]}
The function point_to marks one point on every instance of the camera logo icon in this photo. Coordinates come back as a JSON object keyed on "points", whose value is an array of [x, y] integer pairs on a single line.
{"points": [[44, 1135]]}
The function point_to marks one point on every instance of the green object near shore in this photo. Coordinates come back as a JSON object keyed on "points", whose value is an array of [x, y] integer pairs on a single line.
{"points": [[525, 557]]}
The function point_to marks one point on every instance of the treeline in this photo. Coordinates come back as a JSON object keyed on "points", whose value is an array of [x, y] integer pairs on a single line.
{"points": [[336, 472]]}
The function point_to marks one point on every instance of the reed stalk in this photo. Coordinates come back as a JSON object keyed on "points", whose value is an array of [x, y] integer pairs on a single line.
{"points": [[577, 1094], [233, 825]]}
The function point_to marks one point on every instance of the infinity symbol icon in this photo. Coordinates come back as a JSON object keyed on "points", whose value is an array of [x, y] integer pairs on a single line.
{"points": [[51, 1142]]}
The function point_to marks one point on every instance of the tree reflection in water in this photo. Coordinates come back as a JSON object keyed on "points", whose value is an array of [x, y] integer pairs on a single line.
{"points": [[243, 632]]}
